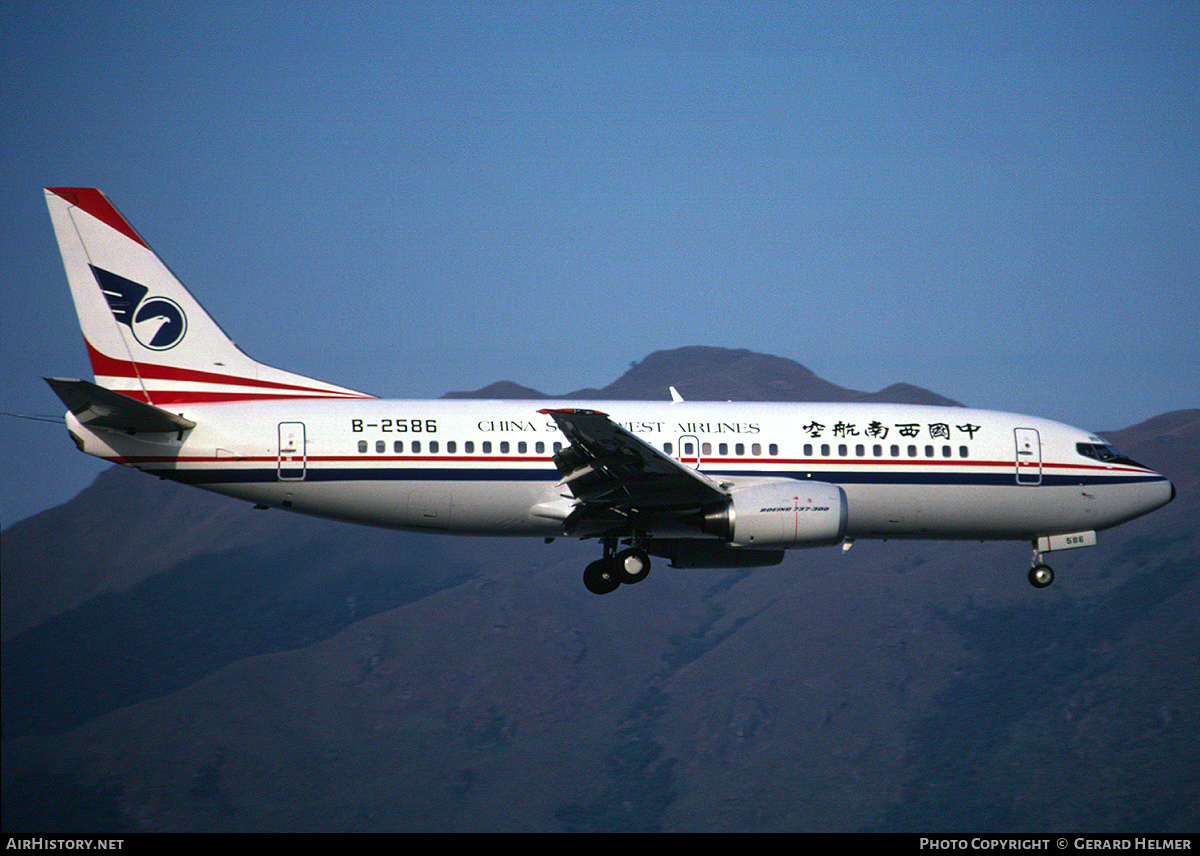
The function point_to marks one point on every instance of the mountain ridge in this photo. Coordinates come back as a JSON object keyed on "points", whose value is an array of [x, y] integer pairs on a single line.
{"points": [[709, 373]]}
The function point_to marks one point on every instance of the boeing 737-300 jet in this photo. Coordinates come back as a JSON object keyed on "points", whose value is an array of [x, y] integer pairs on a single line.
{"points": [[703, 484]]}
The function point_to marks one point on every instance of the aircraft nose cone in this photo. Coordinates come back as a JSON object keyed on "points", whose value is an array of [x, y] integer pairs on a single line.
{"points": [[1166, 493]]}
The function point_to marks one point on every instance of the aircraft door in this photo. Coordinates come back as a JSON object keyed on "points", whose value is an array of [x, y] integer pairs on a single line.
{"points": [[689, 451], [292, 451], [1029, 456]]}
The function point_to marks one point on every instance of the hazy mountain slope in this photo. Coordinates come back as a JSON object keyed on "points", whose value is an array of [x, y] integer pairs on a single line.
{"points": [[123, 528]]}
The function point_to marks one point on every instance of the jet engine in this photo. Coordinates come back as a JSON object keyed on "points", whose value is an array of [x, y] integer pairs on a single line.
{"points": [[782, 513]]}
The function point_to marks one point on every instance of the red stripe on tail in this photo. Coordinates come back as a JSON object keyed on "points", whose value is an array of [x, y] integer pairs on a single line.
{"points": [[93, 202]]}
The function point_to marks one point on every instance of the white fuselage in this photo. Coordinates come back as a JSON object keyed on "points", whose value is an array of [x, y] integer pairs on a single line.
{"points": [[485, 467]]}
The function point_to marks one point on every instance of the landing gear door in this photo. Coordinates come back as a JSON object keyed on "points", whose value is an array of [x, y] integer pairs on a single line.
{"points": [[292, 452], [1029, 456]]}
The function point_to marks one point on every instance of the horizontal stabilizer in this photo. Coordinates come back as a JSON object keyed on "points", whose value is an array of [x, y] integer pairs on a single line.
{"points": [[98, 407]]}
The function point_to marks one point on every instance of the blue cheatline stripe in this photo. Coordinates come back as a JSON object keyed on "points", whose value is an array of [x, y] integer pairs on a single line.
{"points": [[1001, 478], [313, 474], [320, 474]]}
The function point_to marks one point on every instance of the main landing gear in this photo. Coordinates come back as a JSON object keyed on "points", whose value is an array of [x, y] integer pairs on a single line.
{"points": [[626, 566], [1040, 575]]}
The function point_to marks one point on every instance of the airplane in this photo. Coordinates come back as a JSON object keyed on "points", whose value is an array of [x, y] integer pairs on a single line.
{"points": [[701, 484]]}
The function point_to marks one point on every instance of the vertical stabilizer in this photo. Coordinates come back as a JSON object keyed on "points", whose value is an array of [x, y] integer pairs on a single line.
{"points": [[146, 335]]}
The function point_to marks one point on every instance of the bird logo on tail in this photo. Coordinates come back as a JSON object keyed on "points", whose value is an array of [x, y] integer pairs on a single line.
{"points": [[157, 323]]}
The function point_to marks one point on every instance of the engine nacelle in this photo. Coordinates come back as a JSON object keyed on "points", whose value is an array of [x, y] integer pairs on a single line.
{"points": [[782, 513]]}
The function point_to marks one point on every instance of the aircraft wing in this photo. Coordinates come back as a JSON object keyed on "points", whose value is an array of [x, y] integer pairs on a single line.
{"points": [[608, 468]]}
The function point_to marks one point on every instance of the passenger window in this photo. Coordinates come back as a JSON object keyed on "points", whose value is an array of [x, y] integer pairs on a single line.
{"points": [[773, 449], [540, 448], [362, 446], [723, 449], [416, 446], [860, 450], [451, 447], [895, 451], [667, 447], [912, 451], [487, 447], [558, 446], [522, 447], [808, 450], [756, 449], [380, 447], [503, 447], [825, 449], [842, 450], [469, 447], [929, 451], [706, 449], [398, 447], [946, 453], [962, 451], [739, 449], [877, 450], [433, 447]]}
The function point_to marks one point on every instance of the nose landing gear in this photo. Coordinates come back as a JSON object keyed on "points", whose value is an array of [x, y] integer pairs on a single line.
{"points": [[1040, 575], [628, 566]]}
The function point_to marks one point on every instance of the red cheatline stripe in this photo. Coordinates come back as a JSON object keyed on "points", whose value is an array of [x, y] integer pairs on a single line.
{"points": [[93, 202]]}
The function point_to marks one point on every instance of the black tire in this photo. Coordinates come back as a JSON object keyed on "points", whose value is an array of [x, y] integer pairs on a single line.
{"points": [[633, 565], [1040, 576], [600, 576]]}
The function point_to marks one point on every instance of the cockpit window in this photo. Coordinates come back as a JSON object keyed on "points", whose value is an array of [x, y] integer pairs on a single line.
{"points": [[1105, 454]]}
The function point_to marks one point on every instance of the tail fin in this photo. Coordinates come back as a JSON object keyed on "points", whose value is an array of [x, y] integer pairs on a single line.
{"points": [[146, 335]]}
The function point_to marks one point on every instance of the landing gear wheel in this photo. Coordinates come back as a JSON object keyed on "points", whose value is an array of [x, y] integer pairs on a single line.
{"points": [[600, 576], [633, 565], [1040, 576]]}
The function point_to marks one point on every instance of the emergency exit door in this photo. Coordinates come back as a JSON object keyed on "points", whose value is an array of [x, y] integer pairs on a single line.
{"points": [[689, 451]]}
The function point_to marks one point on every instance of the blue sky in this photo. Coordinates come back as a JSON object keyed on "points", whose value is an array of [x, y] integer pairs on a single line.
{"points": [[999, 202]]}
